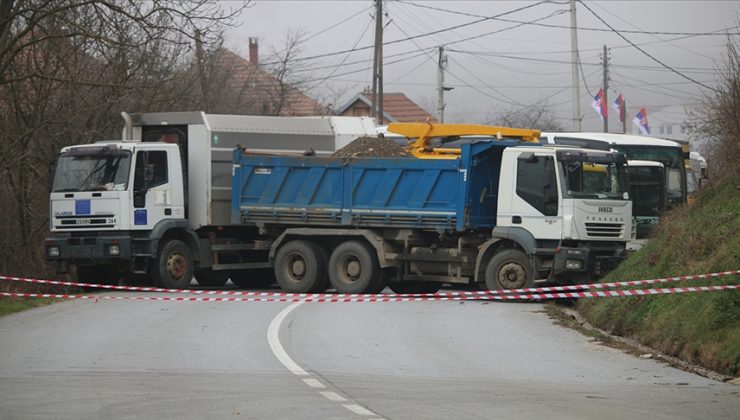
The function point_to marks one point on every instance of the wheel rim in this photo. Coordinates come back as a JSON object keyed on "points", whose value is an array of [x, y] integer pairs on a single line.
{"points": [[177, 266], [512, 276], [296, 267], [350, 268]]}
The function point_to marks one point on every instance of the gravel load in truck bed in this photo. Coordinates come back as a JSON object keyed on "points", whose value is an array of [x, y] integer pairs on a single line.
{"points": [[371, 147]]}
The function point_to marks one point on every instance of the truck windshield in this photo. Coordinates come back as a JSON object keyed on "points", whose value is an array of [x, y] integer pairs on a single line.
{"points": [[96, 169], [646, 190], [671, 158], [593, 176]]}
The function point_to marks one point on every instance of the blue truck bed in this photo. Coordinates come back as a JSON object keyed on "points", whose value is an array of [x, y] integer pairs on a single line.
{"points": [[441, 194]]}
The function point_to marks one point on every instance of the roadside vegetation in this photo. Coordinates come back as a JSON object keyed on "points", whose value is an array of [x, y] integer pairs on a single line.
{"points": [[10, 306], [701, 328]]}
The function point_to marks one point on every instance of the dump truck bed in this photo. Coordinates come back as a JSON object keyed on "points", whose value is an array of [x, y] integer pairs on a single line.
{"points": [[450, 194]]}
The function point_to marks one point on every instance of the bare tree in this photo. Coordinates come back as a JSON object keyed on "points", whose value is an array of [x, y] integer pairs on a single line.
{"points": [[67, 69], [537, 116], [718, 120], [289, 76]]}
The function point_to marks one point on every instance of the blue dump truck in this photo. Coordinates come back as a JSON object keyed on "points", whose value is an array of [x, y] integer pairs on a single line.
{"points": [[496, 213], [502, 214]]}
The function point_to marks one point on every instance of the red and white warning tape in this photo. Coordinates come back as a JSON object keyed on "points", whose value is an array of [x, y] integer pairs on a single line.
{"points": [[561, 292], [388, 297], [328, 295]]}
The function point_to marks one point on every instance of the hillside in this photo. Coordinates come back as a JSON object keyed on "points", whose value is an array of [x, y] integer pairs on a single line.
{"points": [[701, 328]]}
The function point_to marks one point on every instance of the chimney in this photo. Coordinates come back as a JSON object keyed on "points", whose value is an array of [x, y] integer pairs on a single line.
{"points": [[253, 52]]}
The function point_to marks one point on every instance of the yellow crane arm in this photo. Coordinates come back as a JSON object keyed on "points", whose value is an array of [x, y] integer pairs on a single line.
{"points": [[423, 132]]}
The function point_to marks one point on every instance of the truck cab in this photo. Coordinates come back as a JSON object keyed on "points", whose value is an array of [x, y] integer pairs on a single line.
{"points": [[104, 196]]}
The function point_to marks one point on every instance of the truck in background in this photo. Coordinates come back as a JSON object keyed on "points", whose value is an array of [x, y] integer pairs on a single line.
{"points": [[640, 149], [499, 213], [696, 175]]}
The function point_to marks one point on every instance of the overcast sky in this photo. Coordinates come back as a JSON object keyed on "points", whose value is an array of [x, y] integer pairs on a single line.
{"points": [[497, 65]]}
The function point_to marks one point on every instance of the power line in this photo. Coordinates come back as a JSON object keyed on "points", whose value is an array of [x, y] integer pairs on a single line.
{"points": [[418, 36], [547, 25], [653, 36], [643, 51], [511, 101], [336, 68], [368, 68], [549, 60], [336, 24]]}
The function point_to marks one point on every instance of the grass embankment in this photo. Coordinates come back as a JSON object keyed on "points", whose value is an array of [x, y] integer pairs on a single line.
{"points": [[701, 328], [13, 305], [9, 305]]}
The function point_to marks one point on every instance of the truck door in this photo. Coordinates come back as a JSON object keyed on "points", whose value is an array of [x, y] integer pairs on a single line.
{"points": [[152, 198], [535, 205]]}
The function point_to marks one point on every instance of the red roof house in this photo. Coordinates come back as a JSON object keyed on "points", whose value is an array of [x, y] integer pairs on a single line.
{"points": [[397, 107]]}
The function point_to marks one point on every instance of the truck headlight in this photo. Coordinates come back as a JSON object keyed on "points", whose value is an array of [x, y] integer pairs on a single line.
{"points": [[574, 264], [52, 251], [114, 250]]}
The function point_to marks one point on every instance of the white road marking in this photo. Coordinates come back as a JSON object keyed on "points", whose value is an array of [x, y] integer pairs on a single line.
{"points": [[313, 383], [358, 409], [273, 338], [332, 396]]}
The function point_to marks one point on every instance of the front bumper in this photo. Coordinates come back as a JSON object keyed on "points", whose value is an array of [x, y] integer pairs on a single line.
{"points": [[88, 250], [587, 259]]}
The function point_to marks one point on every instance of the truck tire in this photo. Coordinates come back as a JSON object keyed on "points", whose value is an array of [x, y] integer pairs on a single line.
{"points": [[300, 267], [174, 266], [354, 268], [211, 278], [509, 269], [256, 278]]}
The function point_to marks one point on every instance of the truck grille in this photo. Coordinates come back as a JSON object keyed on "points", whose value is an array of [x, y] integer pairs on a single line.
{"points": [[605, 230]]}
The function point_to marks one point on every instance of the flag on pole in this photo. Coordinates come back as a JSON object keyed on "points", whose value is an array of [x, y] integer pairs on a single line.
{"points": [[618, 104], [599, 104], [641, 121]]}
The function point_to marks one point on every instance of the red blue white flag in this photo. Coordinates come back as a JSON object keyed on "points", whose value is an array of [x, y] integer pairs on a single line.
{"points": [[641, 121], [599, 104], [618, 105]]}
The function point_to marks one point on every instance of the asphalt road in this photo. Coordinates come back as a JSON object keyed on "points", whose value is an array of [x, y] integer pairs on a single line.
{"points": [[406, 360]]}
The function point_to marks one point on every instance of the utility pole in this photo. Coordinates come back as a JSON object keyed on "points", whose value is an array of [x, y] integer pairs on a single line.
{"points": [[605, 62], [377, 99], [624, 115], [574, 73], [201, 72], [380, 64], [441, 88]]}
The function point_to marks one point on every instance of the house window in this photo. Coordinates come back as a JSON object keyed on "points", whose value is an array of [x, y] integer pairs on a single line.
{"points": [[669, 129]]}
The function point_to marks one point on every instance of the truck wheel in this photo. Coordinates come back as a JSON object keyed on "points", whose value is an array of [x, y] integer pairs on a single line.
{"points": [[211, 278], [407, 287], [354, 268], [509, 269], [299, 266], [174, 269], [323, 282], [256, 278]]}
